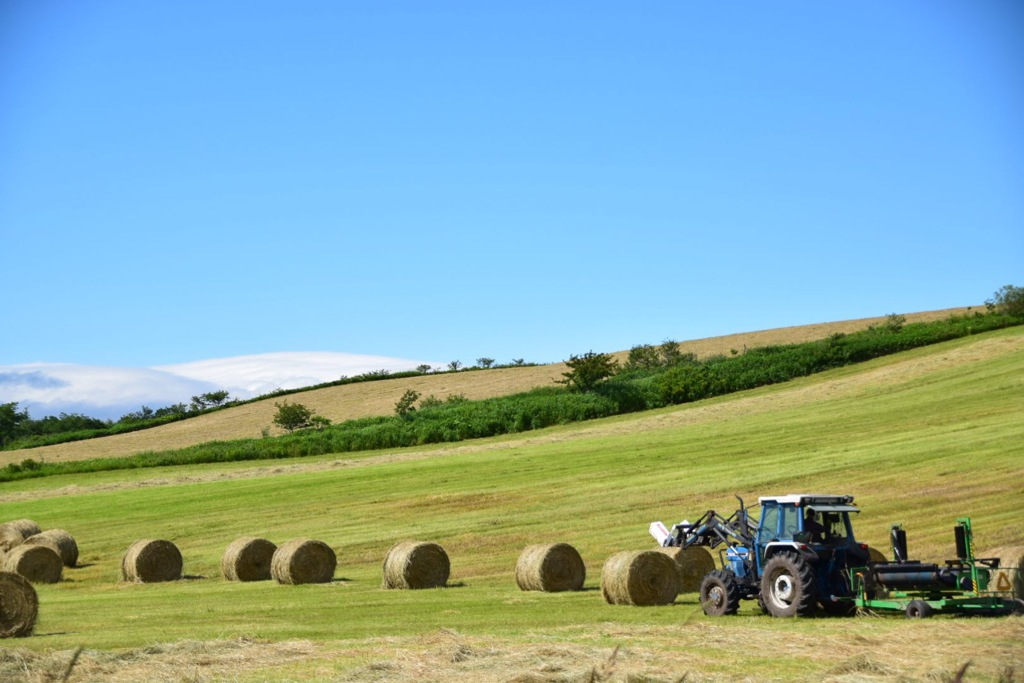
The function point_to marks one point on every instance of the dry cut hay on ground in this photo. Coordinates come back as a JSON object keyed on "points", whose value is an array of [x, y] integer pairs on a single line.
{"points": [[647, 577], [550, 568], [151, 561], [414, 564], [37, 563], [19, 606], [1010, 575], [61, 541], [692, 564], [303, 561], [248, 559]]}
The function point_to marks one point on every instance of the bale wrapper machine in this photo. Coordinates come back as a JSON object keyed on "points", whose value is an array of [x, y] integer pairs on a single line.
{"points": [[966, 585]]}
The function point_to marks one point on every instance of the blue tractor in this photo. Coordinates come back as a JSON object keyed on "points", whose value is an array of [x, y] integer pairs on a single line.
{"points": [[794, 559]]}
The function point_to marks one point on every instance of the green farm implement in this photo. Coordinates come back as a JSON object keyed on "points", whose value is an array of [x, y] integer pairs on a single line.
{"points": [[966, 585]]}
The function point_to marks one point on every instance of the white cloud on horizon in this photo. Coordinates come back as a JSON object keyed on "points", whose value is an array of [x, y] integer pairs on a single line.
{"points": [[109, 392]]}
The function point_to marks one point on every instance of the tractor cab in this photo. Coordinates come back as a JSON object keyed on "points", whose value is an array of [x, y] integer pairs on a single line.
{"points": [[816, 527]]}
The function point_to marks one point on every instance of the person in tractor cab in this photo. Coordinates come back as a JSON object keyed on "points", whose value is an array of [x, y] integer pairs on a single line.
{"points": [[815, 531]]}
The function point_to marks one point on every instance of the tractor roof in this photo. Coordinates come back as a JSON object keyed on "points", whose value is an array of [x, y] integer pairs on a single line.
{"points": [[816, 500]]}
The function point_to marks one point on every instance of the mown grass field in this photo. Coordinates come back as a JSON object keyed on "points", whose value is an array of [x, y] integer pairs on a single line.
{"points": [[922, 437]]}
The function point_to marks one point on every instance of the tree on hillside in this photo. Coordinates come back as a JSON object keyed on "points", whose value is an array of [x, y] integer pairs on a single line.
{"points": [[210, 399], [10, 419], [485, 362], [643, 357], [588, 370], [455, 365], [1008, 300], [292, 416], [405, 404]]}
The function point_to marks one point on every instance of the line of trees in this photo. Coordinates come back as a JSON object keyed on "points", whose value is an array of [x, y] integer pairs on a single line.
{"points": [[19, 430]]}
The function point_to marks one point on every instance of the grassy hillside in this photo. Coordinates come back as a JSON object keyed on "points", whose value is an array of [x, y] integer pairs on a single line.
{"points": [[378, 398], [920, 437]]}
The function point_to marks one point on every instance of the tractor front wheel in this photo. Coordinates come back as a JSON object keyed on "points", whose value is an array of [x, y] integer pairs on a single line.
{"points": [[719, 593], [787, 586]]}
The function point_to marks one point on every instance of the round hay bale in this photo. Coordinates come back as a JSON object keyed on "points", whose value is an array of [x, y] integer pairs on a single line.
{"points": [[412, 564], [248, 559], [19, 606], [550, 568], [39, 540], [10, 538], [303, 561], [1010, 572], [692, 564], [63, 542], [37, 563], [26, 526], [149, 561], [876, 555], [647, 577]]}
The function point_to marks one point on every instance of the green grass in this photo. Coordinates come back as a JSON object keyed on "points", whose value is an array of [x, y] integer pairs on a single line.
{"points": [[916, 439]]}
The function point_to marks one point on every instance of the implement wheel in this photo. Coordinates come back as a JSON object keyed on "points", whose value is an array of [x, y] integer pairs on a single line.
{"points": [[919, 609], [788, 587], [719, 594]]}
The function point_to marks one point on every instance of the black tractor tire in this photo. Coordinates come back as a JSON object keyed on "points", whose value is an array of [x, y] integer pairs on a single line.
{"points": [[1017, 607], [919, 609], [719, 593], [788, 586]]}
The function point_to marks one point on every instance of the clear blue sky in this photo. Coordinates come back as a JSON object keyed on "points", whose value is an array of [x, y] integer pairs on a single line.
{"points": [[452, 180]]}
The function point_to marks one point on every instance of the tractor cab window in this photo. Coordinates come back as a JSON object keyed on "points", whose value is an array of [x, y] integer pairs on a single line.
{"points": [[790, 522], [770, 522], [835, 526]]}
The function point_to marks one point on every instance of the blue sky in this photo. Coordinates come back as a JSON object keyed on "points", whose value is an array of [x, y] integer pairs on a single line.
{"points": [[453, 180]]}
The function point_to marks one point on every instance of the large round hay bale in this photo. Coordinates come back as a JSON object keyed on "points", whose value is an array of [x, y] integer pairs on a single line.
{"points": [[303, 561], [63, 542], [412, 564], [692, 564], [10, 538], [550, 568], [149, 561], [876, 555], [19, 606], [1010, 575], [647, 577], [37, 563], [248, 559], [26, 526]]}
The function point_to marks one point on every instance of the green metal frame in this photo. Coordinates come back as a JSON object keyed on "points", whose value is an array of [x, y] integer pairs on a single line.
{"points": [[980, 599]]}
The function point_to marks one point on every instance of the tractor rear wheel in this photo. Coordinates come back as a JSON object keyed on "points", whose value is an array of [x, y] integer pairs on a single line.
{"points": [[719, 593], [787, 586]]}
